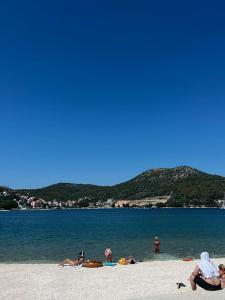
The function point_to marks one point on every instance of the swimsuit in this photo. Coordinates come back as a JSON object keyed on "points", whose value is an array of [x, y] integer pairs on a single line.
{"points": [[205, 285]]}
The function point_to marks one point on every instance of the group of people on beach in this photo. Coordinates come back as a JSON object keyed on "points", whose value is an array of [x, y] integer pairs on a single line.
{"points": [[205, 275], [108, 256]]}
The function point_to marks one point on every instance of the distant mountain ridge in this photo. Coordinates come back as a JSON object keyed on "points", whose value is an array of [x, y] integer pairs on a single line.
{"points": [[187, 186]]}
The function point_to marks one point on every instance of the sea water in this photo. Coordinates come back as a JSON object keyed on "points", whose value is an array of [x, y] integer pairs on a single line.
{"points": [[52, 235]]}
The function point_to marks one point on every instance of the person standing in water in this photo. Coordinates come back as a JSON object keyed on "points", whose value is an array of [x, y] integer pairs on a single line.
{"points": [[156, 245], [108, 255]]}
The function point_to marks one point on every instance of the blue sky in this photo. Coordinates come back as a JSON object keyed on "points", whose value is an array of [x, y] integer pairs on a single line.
{"points": [[99, 91]]}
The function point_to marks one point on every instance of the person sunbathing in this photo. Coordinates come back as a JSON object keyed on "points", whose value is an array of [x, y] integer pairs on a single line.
{"points": [[127, 261], [72, 262], [205, 275], [131, 260]]}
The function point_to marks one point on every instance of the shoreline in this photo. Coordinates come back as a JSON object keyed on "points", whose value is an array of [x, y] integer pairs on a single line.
{"points": [[105, 208], [145, 280], [150, 260]]}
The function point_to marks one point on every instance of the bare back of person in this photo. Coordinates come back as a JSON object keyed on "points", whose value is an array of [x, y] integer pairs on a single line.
{"points": [[206, 275]]}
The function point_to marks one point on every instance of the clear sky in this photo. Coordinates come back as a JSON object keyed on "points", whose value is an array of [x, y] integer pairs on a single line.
{"points": [[99, 91]]}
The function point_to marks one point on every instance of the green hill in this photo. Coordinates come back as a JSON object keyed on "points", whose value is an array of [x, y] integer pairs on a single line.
{"points": [[7, 198], [69, 191], [187, 186]]}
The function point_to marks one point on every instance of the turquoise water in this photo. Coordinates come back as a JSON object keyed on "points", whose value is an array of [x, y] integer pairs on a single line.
{"points": [[49, 236]]}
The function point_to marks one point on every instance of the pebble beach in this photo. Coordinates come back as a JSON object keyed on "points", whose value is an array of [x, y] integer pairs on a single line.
{"points": [[146, 280]]}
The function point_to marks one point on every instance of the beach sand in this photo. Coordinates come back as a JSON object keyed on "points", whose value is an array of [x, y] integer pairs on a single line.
{"points": [[147, 280]]}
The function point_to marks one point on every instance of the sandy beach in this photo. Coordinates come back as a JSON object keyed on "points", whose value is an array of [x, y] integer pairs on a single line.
{"points": [[147, 280]]}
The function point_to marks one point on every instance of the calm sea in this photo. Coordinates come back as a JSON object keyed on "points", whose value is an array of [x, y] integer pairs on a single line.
{"points": [[51, 235]]}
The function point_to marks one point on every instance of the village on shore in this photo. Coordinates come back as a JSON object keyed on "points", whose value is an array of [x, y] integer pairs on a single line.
{"points": [[23, 202], [30, 202]]}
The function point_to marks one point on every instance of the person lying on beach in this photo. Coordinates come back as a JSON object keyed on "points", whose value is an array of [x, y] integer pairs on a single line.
{"points": [[206, 275], [108, 255], [131, 260], [127, 261], [73, 263]]}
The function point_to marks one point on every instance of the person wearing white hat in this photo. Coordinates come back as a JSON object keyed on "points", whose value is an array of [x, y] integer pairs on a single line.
{"points": [[205, 275]]}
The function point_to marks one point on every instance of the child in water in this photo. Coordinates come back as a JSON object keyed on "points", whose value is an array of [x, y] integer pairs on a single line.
{"points": [[156, 245]]}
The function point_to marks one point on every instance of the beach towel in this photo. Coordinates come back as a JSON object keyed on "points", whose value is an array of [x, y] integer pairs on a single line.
{"points": [[207, 267], [109, 264]]}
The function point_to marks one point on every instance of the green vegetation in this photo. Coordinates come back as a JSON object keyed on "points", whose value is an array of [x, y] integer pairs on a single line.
{"points": [[68, 191], [187, 187], [7, 202]]}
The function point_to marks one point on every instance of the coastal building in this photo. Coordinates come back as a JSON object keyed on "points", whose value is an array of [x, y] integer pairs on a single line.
{"points": [[37, 203]]}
